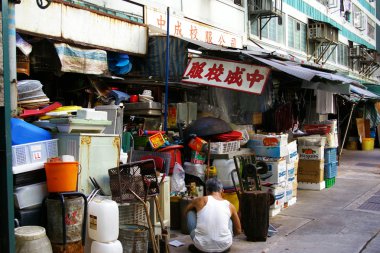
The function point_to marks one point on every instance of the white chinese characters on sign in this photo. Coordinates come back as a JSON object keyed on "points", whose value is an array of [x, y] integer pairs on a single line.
{"points": [[227, 74]]}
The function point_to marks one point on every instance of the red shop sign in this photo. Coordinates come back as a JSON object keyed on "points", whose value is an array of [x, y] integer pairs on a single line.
{"points": [[227, 74]]}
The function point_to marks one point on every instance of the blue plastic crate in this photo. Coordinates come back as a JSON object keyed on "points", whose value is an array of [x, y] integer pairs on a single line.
{"points": [[330, 155], [331, 169]]}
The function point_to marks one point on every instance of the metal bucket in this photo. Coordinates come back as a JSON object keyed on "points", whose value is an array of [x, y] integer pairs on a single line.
{"points": [[73, 219]]}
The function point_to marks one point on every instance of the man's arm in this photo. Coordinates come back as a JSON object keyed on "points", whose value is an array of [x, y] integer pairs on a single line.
{"points": [[235, 220]]}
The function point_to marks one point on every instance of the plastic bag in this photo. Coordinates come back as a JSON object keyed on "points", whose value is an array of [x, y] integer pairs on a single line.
{"points": [[178, 179]]}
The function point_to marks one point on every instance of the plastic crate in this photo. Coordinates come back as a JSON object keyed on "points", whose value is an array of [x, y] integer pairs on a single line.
{"points": [[331, 169], [330, 155], [34, 152], [330, 182], [224, 147]]}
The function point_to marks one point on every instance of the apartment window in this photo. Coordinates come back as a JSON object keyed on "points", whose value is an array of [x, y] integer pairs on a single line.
{"points": [[297, 34], [371, 28], [272, 30], [342, 54]]}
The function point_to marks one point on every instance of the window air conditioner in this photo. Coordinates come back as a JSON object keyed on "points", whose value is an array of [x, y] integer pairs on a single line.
{"points": [[354, 52], [358, 20]]}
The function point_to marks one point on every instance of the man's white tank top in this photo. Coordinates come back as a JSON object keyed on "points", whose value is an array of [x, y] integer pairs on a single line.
{"points": [[212, 233]]}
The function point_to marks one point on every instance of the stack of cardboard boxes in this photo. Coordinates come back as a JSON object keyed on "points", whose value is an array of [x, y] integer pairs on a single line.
{"points": [[311, 163], [279, 180]]}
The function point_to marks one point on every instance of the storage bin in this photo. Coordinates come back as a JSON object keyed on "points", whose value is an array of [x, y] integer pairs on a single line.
{"points": [[23, 132], [368, 144], [34, 152], [30, 196], [331, 169]]}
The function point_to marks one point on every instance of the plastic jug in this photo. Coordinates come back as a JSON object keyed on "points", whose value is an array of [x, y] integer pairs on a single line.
{"points": [[224, 168], [108, 247], [103, 220], [24, 132]]}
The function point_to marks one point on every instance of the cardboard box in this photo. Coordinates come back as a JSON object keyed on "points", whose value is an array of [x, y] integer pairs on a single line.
{"points": [[278, 193], [270, 140], [311, 171], [275, 152], [295, 186], [311, 152], [290, 172], [276, 170]]}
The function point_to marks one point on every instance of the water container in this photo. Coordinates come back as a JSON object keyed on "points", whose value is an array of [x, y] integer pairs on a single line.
{"points": [[103, 220], [32, 239], [224, 168], [23, 132], [108, 247]]}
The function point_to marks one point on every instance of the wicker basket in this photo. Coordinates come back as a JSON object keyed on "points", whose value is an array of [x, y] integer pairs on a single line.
{"points": [[134, 238], [132, 213], [139, 177]]}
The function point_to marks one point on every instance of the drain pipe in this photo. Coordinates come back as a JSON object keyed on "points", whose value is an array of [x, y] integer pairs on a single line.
{"points": [[7, 242]]}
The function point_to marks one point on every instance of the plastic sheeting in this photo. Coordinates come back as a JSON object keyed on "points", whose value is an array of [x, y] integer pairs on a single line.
{"points": [[85, 61]]}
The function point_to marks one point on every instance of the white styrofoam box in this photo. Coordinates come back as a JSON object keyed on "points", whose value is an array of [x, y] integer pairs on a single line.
{"points": [[197, 170], [292, 202], [292, 157], [331, 140], [312, 140], [30, 195], [276, 152], [311, 152], [278, 192], [276, 170], [292, 147], [288, 191], [27, 167], [271, 140], [290, 171], [311, 186], [91, 114]]}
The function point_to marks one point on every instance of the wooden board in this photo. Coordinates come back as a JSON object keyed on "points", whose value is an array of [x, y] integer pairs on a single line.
{"points": [[363, 126]]}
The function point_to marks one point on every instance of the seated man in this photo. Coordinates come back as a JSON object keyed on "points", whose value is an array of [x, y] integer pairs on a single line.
{"points": [[211, 226]]}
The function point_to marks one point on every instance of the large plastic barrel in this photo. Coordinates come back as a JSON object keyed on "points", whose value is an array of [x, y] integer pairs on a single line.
{"points": [[32, 239], [109, 247], [368, 144]]}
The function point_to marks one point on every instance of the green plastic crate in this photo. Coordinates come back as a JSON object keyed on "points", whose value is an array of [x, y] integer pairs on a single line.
{"points": [[330, 182]]}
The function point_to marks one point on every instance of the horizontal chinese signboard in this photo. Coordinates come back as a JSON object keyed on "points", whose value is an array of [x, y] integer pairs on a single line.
{"points": [[227, 74]]}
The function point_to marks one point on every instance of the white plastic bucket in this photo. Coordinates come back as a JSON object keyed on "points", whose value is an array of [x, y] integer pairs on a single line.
{"points": [[108, 247], [103, 220], [224, 168]]}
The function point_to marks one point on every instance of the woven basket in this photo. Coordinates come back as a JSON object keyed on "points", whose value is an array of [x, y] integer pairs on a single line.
{"points": [[132, 213], [134, 238], [139, 177]]}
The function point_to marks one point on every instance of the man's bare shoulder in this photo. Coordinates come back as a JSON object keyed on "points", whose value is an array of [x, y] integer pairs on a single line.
{"points": [[200, 202]]}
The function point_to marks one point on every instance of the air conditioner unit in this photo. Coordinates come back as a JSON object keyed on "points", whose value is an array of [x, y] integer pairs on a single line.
{"points": [[358, 20], [331, 3], [354, 52], [364, 23]]}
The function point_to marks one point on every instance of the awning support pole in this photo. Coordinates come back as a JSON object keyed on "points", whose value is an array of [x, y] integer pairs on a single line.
{"points": [[167, 71], [348, 125]]}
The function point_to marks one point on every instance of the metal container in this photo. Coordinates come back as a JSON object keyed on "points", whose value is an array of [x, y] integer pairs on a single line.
{"points": [[115, 114], [96, 153], [145, 108]]}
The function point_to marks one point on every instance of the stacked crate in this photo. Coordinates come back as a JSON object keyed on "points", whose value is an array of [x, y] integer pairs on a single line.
{"points": [[331, 166]]}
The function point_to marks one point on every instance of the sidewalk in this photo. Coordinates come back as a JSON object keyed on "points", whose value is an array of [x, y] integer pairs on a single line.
{"points": [[328, 221]]}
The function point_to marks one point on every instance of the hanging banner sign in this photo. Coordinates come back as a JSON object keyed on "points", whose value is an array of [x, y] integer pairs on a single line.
{"points": [[227, 74]]}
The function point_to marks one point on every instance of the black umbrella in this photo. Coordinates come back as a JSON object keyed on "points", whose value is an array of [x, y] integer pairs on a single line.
{"points": [[205, 127]]}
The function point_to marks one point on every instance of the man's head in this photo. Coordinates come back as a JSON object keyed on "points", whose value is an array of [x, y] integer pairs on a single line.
{"points": [[213, 185]]}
